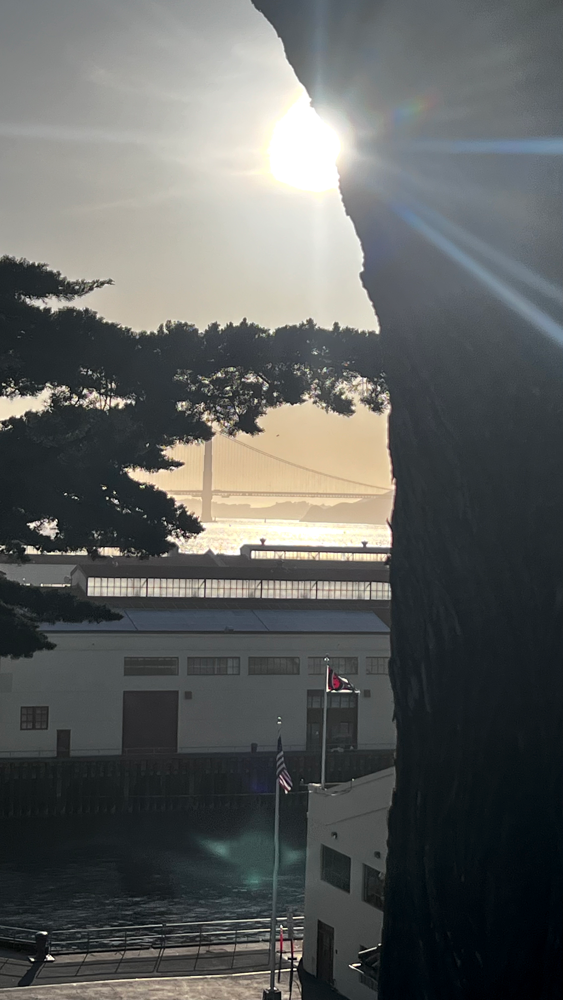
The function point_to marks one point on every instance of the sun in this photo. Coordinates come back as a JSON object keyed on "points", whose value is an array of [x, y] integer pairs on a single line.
{"points": [[303, 149]]}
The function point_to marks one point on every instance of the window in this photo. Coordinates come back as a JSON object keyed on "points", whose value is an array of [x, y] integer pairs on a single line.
{"points": [[335, 868], [342, 720], [342, 664], [335, 700], [343, 732], [34, 717], [149, 666], [377, 664], [208, 666], [273, 664], [315, 699], [320, 555], [335, 590], [373, 887]]}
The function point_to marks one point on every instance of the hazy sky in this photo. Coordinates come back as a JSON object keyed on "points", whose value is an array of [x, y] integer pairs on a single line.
{"points": [[134, 137]]}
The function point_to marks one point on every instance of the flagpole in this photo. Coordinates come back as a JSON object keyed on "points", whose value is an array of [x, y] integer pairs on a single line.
{"points": [[325, 707], [273, 992]]}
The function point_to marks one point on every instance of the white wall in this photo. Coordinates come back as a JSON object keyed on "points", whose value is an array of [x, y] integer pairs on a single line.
{"points": [[82, 682], [356, 812]]}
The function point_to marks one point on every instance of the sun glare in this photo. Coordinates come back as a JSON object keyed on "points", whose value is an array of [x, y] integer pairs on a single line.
{"points": [[303, 149]]}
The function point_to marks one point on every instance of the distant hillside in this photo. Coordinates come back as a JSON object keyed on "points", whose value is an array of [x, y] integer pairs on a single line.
{"points": [[287, 510], [375, 510]]}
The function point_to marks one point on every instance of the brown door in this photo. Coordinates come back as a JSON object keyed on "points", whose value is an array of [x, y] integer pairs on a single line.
{"points": [[325, 952], [150, 722], [63, 742]]}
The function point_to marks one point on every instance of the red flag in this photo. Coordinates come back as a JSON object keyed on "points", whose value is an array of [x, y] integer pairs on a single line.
{"points": [[336, 683]]}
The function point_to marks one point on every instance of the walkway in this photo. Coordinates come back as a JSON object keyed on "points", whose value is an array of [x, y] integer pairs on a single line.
{"points": [[216, 963], [241, 986]]}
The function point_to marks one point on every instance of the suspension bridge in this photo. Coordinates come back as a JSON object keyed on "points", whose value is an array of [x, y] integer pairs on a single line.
{"points": [[227, 467]]}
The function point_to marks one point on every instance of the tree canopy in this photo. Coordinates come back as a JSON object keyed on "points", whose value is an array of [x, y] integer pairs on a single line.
{"points": [[113, 400], [23, 609]]}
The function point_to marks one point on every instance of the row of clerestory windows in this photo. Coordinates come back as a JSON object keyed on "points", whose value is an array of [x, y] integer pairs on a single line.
{"points": [[310, 590], [209, 666]]}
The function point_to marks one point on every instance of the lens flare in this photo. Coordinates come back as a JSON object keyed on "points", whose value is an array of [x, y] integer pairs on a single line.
{"points": [[303, 149]]}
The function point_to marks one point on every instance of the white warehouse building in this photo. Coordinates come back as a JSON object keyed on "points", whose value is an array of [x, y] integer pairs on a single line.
{"points": [[209, 652]]}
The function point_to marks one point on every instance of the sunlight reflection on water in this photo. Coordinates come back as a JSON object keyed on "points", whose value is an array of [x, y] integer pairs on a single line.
{"points": [[228, 536]]}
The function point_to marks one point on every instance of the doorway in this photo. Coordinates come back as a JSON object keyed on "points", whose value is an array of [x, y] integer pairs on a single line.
{"points": [[325, 952], [341, 722], [63, 742], [150, 722]]}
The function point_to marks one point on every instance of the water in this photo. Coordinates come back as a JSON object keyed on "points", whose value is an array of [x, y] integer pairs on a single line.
{"points": [[111, 870], [228, 536]]}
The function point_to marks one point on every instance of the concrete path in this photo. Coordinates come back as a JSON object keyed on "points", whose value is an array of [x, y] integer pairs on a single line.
{"points": [[16, 970], [241, 986]]}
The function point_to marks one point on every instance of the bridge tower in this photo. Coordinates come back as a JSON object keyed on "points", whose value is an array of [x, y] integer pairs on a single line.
{"points": [[207, 485]]}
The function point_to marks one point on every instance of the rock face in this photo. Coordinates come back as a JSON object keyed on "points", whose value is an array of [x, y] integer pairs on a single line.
{"points": [[448, 109]]}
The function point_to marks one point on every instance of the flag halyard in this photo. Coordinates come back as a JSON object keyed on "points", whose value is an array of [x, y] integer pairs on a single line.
{"points": [[283, 776]]}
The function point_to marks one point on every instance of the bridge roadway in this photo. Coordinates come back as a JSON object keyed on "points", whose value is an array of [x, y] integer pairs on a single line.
{"points": [[242, 463], [274, 493]]}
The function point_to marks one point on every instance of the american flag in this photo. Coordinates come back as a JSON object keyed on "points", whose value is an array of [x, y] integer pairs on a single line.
{"points": [[282, 774]]}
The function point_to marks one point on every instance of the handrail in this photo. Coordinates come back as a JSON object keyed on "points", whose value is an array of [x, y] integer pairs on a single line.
{"points": [[165, 935], [179, 923], [19, 934]]}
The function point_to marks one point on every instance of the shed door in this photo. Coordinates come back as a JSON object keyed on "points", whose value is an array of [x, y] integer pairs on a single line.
{"points": [[325, 952], [150, 722]]}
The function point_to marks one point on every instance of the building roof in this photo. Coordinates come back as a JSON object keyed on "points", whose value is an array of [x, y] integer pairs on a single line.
{"points": [[225, 620], [230, 568]]}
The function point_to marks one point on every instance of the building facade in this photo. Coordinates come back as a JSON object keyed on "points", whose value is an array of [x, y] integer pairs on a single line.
{"points": [[209, 652], [198, 681], [346, 852]]}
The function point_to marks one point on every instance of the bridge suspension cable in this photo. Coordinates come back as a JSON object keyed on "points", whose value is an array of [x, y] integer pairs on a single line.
{"points": [[303, 468], [240, 469]]}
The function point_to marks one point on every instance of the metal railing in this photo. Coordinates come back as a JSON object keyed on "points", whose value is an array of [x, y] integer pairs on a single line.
{"points": [[17, 937], [195, 938]]}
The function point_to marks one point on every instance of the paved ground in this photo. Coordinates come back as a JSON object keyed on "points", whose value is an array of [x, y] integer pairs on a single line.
{"points": [[107, 971], [238, 986]]}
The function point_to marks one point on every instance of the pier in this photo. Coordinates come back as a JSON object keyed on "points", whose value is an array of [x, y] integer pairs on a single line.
{"points": [[177, 783]]}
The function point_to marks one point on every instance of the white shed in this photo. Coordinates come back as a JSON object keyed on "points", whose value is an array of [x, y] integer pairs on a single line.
{"points": [[346, 852]]}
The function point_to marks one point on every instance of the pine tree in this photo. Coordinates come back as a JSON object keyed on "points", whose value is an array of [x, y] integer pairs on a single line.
{"points": [[114, 400]]}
